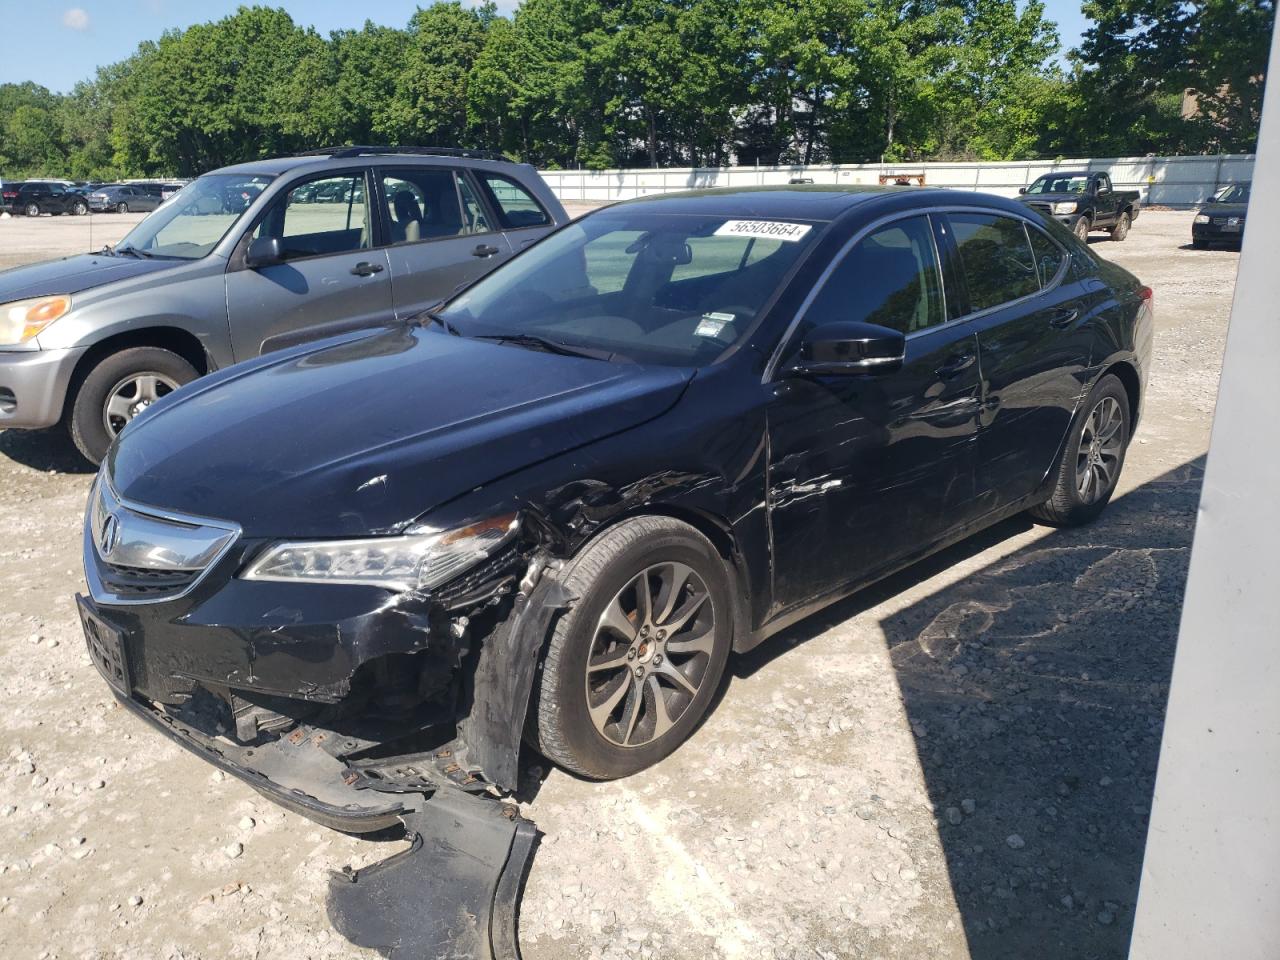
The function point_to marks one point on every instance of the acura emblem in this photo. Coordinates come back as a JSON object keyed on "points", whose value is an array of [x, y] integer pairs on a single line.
{"points": [[110, 535]]}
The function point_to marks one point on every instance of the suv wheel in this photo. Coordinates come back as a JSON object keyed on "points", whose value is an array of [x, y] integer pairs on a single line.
{"points": [[1092, 458], [122, 207], [33, 210], [633, 667], [1081, 229], [118, 389], [1121, 229], [79, 208]]}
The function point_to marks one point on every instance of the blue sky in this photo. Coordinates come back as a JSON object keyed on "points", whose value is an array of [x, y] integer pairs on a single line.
{"points": [[67, 41]]}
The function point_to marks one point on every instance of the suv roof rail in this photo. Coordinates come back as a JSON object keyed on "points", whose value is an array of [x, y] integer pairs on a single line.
{"points": [[353, 151]]}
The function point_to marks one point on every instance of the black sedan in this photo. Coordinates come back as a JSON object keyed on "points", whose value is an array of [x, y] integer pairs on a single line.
{"points": [[358, 571], [1221, 218]]}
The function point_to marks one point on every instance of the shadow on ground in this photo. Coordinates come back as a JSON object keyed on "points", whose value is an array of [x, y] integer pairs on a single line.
{"points": [[1036, 692], [43, 450]]}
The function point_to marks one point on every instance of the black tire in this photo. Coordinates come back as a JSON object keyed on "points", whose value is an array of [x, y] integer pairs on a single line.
{"points": [[1121, 229], [1081, 229], [80, 208], [1199, 243], [561, 725], [1066, 507], [32, 210], [122, 207], [87, 412]]}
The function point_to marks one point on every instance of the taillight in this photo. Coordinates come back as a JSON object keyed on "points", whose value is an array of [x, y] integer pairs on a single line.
{"points": [[1147, 296]]}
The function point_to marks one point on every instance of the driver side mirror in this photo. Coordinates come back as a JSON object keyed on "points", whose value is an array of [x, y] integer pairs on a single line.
{"points": [[264, 252], [849, 348], [1210, 199], [1022, 190]]}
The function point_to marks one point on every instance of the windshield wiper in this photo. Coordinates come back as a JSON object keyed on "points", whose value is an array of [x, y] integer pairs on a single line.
{"points": [[434, 317], [134, 251], [547, 346]]}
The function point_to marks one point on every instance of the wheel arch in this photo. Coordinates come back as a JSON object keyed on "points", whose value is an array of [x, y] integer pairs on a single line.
{"points": [[174, 339], [1127, 374]]}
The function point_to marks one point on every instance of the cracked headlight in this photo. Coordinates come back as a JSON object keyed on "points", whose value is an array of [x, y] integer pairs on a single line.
{"points": [[1065, 206], [415, 561], [23, 319]]}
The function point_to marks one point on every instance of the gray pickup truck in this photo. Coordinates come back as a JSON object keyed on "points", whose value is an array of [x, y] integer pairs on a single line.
{"points": [[252, 258], [1084, 202]]}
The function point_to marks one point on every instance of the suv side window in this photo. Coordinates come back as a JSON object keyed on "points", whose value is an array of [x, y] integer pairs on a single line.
{"points": [[1048, 255], [516, 206], [996, 257], [326, 215], [473, 215], [422, 204], [890, 278]]}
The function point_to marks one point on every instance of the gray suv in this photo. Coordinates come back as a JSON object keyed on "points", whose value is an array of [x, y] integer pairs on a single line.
{"points": [[249, 259]]}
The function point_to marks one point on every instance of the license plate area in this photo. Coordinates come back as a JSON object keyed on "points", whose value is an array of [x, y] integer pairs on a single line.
{"points": [[1232, 225], [106, 649]]}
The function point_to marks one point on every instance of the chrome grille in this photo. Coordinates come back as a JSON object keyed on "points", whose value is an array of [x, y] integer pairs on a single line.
{"points": [[139, 554]]}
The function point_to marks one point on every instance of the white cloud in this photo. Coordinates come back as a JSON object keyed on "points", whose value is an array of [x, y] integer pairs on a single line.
{"points": [[76, 19]]}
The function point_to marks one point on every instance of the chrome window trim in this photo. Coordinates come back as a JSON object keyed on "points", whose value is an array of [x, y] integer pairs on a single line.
{"points": [[771, 367], [91, 554]]}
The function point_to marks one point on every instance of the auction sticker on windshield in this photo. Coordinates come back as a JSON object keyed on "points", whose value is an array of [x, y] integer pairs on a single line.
{"points": [[773, 229]]}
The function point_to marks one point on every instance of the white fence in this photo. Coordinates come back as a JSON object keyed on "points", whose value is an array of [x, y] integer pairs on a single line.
{"points": [[1163, 181]]}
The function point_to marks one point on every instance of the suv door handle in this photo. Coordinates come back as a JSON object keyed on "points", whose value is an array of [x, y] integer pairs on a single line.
{"points": [[366, 269], [484, 250], [957, 364], [1063, 318]]}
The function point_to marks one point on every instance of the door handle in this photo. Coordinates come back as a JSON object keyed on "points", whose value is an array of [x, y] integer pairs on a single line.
{"points": [[484, 250], [366, 269], [956, 365], [1063, 318]]}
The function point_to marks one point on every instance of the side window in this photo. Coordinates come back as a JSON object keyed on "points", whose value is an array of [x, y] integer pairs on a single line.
{"points": [[422, 204], [996, 258], [1104, 183], [324, 216], [473, 215], [890, 278], [516, 206], [1048, 256]]}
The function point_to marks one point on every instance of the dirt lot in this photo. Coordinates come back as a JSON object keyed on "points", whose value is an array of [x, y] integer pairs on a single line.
{"points": [[957, 763]]}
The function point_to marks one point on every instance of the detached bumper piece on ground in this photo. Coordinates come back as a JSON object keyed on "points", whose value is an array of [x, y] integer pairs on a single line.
{"points": [[454, 893]]}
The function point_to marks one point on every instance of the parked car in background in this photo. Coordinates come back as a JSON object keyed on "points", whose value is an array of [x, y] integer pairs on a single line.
{"points": [[236, 265], [1221, 217], [557, 505], [168, 190], [35, 197], [124, 198], [1084, 202]]}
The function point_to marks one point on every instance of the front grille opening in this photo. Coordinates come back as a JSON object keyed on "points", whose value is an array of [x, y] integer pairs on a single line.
{"points": [[8, 402], [139, 581]]}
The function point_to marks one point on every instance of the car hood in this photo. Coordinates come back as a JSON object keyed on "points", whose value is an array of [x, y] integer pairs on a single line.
{"points": [[1224, 209], [365, 435], [1052, 197], [74, 274]]}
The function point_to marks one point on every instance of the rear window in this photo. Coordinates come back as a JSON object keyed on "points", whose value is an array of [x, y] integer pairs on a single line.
{"points": [[516, 206], [996, 257]]}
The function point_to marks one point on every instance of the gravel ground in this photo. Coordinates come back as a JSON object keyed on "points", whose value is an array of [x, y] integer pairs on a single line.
{"points": [[956, 763]]}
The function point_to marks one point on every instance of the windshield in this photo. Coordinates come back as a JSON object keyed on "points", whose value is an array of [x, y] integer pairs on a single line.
{"points": [[191, 222], [1233, 193], [1054, 183], [676, 289]]}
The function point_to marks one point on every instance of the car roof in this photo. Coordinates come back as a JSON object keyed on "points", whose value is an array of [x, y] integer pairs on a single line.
{"points": [[808, 202], [278, 165], [1070, 173]]}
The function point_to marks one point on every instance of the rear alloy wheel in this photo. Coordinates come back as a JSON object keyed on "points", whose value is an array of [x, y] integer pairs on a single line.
{"points": [[631, 670], [122, 207], [1081, 229], [1121, 229], [79, 208], [33, 210], [1092, 457], [118, 389]]}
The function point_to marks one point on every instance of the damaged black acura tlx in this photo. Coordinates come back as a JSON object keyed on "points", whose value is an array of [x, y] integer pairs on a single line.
{"points": [[359, 573]]}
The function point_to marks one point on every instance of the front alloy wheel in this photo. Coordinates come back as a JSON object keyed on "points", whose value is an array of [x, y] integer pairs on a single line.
{"points": [[650, 654], [1081, 229], [634, 664], [133, 394]]}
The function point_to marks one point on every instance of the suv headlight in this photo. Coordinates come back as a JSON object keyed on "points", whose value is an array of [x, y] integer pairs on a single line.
{"points": [[23, 319], [1065, 206], [1202, 218], [415, 561]]}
